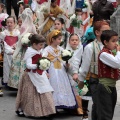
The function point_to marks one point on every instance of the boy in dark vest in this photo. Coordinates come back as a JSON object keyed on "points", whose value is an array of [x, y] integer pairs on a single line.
{"points": [[108, 73]]}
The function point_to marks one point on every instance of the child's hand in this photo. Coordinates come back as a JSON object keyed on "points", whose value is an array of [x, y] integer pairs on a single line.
{"points": [[75, 77], [14, 47], [67, 65], [81, 85], [118, 47], [10, 53]]}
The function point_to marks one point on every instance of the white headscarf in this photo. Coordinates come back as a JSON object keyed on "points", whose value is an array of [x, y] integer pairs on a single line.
{"points": [[68, 47], [27, 26]]}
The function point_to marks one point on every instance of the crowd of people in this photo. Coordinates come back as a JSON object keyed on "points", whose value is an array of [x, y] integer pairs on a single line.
{"points": [[77, 39]]}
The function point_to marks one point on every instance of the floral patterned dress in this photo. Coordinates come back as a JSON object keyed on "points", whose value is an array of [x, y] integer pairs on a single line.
{"points": [[17, 68]]}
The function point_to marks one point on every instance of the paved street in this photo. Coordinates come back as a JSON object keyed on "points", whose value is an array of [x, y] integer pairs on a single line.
{"points": [[7, 108]]}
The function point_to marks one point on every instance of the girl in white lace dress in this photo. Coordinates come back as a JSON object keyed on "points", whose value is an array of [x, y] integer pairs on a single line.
{"points": [[63, 94]]}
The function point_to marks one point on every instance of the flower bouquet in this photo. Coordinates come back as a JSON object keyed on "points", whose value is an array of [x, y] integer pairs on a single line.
{"points": [[44, 9], [75, 22], [84, 90], [43, 63], [25, 40], [66, 55], [85, 7]]}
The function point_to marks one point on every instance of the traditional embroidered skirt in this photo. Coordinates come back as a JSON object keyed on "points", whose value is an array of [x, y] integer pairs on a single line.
{"points": [[31, 102]]}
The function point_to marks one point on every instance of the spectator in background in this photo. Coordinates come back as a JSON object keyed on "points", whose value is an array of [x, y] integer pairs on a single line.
{"points": [[102, 10], [115, 20], [3, 1], [12, 3]]}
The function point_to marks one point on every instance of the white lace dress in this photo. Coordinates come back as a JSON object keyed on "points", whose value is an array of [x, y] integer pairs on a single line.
{"points": [[63, 94]]}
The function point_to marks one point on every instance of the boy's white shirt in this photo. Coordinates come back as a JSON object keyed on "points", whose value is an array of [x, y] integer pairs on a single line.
{"points": [[76, 59], [110, 60], [86, 60]]}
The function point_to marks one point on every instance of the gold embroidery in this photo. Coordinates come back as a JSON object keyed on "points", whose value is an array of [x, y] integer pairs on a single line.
{"points": [[11, 33], [56, 60]]}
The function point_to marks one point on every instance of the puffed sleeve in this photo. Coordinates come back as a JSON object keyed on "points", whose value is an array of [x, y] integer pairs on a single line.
{"points": [[29, 64]]}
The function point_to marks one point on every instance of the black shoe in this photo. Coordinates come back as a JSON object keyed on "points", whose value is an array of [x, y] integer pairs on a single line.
{"points": [[20, 113]]}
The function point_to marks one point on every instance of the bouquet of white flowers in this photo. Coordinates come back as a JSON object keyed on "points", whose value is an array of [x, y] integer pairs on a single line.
{"points": [[43, 63], [25, 41], [44, 9], [66, 55], [84, 90], [75, 22]]}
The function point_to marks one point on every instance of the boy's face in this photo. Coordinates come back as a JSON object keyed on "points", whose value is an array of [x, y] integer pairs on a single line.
{"points": [[112, 43], [54, 4]]}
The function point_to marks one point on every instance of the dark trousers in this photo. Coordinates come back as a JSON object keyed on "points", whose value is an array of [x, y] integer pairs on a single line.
{"points": [[106, 102], [12, 3], [93, 82]]}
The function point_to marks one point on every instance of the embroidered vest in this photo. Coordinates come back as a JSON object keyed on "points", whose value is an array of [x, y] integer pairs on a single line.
{"points": [[94, 61], [34, 61], [106, 71], [11, 40], [55, 59]]}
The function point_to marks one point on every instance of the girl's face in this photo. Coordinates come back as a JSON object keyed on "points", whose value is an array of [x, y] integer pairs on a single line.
{"points": [[10, 23], [74, 42], [104, 27], [79, 13], [58, 25], [38, 46], [112, 43], [19, 22], [56, 41], [1, 9], [21, 9]]}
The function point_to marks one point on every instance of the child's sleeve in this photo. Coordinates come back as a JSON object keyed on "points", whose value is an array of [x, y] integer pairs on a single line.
{"points": [[110, 60], [77, 58], [2, 36], [29, 64], [86, 60], [60, 11]]}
